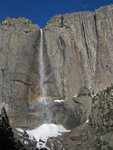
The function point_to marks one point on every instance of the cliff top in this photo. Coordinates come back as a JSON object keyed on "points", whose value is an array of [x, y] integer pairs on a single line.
{"points": [[55, 19]]}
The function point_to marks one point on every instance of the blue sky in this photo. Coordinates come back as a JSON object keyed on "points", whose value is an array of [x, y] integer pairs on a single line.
{"points": [[40, 11]]}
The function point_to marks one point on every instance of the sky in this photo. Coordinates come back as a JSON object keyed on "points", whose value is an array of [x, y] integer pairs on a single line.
{"points": [[40, 11]]}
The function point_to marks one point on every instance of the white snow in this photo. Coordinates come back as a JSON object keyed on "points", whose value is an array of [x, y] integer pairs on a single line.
{"points": [[46, 131], [92, 95], [19, 134], [25, 142], [87, 120], [75, 96], [19, 130], [43, 132], [58, 100]]}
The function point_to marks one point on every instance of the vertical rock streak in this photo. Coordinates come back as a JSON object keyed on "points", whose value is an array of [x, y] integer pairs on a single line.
{"points": [[41, 66]]}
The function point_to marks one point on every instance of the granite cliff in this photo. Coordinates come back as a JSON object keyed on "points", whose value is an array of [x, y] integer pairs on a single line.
{"points": [[79, 49], [19, 65], [78, 63]]}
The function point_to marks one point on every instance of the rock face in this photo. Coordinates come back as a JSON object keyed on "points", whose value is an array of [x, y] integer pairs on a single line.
{"points": [[95, 133], [19, 41], [79, 49], [77, 53]]}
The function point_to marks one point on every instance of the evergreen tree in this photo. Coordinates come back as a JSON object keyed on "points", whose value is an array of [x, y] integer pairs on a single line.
{"points": [[7, 140]]}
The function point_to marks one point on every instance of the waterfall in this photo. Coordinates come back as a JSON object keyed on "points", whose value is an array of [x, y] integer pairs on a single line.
{"points": [[44, 103], [41, 66]]}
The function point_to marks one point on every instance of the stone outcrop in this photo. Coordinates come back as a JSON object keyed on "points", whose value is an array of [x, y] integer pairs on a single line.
{"points": [[97, 132], [83, 137]]}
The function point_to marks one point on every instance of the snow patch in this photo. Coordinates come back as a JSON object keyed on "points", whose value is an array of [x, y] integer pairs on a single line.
{"points": [[92, 95], [25, 142], [20, 130], [45, 131], [87, 120], [19, 134], [58, 100], [75, 96]]}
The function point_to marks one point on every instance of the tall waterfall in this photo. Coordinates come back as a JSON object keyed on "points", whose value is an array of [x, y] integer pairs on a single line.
{"points": [[41, 66]]}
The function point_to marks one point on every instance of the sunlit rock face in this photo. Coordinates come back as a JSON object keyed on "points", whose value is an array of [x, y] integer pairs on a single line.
{"points": [[77, 52], [19, 42], [79, 49]]}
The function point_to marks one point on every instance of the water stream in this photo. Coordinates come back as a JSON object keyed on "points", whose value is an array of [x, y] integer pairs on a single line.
{"points": [[44, 113], [41, 67]]}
